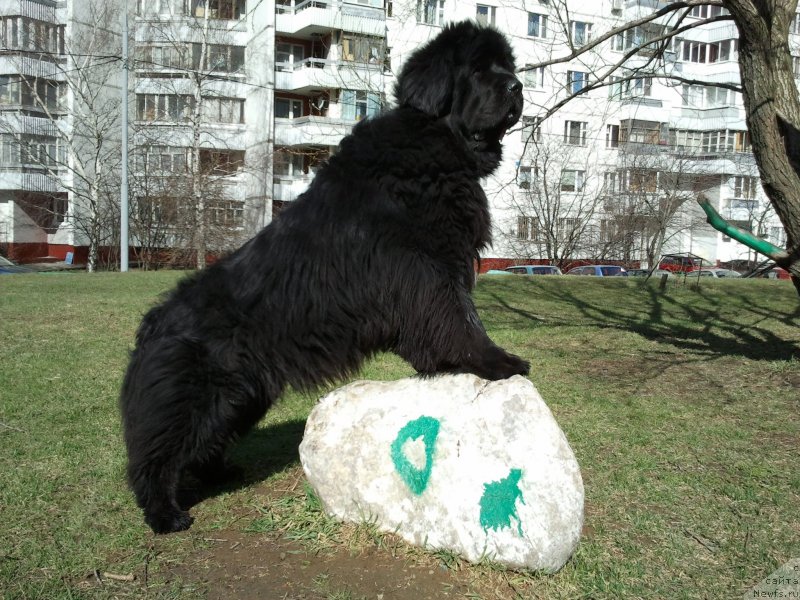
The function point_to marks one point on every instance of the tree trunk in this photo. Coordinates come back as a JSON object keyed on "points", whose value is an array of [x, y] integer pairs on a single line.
{"points": [[773, 109]]}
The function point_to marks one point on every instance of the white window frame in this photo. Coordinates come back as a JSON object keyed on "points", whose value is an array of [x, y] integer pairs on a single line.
{"points": [[540, 30], [572, 180], [534, 78], [574, 27], [571, 128], [430, 12], [489, 14]]}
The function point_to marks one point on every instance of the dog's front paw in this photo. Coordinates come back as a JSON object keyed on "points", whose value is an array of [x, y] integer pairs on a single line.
{"points": [[499, 364], [169, 521]]}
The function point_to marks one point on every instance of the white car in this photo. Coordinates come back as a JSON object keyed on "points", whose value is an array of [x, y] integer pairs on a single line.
{"points": [[719, 273]]}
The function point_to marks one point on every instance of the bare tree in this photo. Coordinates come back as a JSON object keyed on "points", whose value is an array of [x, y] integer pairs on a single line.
{"points": [[190, 152], [553, 211], [768, 85]]}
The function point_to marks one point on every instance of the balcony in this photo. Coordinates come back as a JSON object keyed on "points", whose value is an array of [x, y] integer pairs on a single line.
{"points": [[42, 10], [732, 117], [312, 17], [28, 179], [287, 188], [316, 131], [316, 73]]}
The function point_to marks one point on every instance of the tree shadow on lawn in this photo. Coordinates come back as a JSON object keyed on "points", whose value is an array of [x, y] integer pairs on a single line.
{"points": [[666, 320], [260, 454]]}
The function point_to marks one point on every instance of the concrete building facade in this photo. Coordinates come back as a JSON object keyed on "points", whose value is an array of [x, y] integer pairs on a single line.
{"points": [[281, 83]]}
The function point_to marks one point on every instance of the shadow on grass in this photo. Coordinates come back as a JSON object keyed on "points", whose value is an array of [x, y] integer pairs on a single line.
{"points": [[708, 329], [260, 454]]}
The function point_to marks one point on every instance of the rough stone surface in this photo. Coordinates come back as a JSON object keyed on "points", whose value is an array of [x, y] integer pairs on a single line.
{"points": [[454, 462]]}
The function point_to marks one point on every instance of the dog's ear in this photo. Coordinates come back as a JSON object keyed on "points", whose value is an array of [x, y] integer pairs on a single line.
{"points": [[426, 81]]}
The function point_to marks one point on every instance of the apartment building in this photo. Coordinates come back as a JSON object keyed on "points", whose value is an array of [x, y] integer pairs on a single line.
{"points": [[202, 128], [614, 172], [330, 71], [34, 117], [236, 102]]}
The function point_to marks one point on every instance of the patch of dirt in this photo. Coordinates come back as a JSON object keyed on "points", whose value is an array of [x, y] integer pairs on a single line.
{"points": [[249, 565], [263, 567]]}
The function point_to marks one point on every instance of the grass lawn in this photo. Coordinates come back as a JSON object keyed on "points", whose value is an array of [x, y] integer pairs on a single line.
{"points": [[682, 407]]}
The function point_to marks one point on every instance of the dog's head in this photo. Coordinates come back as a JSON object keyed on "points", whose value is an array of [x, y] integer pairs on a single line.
{"points": [[466, 74]]}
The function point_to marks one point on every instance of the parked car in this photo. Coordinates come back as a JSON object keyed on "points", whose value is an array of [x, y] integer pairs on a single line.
{"points": [[8, 266], [777, 273], [657, 273], [534, 270], [599, 271], [496, 272], [718, 273]]}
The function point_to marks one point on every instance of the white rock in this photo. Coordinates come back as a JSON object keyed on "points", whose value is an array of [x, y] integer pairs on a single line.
{"points": [[454, 462]]}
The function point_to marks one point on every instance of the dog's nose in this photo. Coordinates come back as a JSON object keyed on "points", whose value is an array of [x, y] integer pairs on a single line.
{"points": [[514, 85]]}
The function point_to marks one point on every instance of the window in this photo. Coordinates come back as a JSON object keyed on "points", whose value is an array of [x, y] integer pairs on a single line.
{"points": [[639, 37], [686, 140], [357, 104], [640, 87], [616, 85], [223, 110], [717, 96], [531, 128], [699, 52], [692, 95], [219, 57], [221, 162], [717, 141], [164, 107], [576, 81], [642, 180], [485, 15], [581, 33], [572, 180], [778, 236], [794, 26], [537, 25], [362, 49], [41, 151], [745, 187], [610, 182], [528, 228], [287, 108], [288, 55], [796, 66], [217, 9], [534, 78], [430, 12], [575, 133], [31, 35], [741, 141], [612, 136], [704, 11], [641, 132], [169, 159], [524, 178], [608, 230], [162, 7], [226, 213], [287, 163], [169, 56], [36, 94]]}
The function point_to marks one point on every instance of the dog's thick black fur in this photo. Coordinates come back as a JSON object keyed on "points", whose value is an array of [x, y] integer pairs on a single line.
{"points": [[376, 255]]}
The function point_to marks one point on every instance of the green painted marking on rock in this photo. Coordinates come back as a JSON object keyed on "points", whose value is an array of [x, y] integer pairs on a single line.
{"points": [[499, 502], [426, 428]]}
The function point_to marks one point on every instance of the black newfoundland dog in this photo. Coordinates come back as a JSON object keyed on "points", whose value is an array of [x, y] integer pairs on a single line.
{"points": [[377, 255]]}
